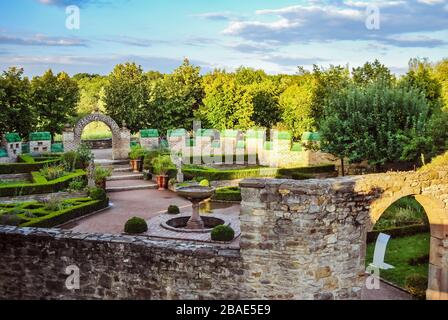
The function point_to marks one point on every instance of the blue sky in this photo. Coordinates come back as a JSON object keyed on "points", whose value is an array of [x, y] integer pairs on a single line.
{"points": [[275, 35]]}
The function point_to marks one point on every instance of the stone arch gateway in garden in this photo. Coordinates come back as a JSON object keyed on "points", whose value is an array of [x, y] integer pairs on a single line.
{"points": [[313, 233], [121, 137]]}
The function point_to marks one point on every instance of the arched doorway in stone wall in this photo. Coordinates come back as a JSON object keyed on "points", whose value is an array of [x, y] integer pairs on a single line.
{"points": [[121, 137], [437, 215]]}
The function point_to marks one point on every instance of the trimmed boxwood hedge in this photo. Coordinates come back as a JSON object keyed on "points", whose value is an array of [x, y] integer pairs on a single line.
{"points": [[211, 174], [83, 207], [398, 232], [40, 185], [227, 194], [27, 164]]}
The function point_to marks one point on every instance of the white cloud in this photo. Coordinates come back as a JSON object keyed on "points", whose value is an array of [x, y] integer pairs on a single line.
{"points": [[345, 20]]}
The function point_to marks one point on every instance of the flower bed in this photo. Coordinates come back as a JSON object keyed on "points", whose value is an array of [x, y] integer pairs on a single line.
{"points": [[40, 185], [39, 214], [28, 164]]}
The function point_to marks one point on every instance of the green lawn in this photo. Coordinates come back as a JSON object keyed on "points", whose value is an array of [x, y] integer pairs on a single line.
{"points": [[399, 253]]}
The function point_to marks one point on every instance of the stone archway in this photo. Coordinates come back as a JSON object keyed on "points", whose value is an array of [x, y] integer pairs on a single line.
{"points": [[121, 137]]}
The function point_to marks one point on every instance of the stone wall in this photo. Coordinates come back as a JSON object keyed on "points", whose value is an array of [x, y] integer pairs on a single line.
{"points": [[33, 264], [299, 240], [313, 233]]}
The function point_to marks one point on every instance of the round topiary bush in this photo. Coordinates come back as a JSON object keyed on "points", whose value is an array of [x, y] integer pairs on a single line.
{"points": [[135, 225], [204, 183], [417, 284], [173, 209], [222, 233], [97, 193]]}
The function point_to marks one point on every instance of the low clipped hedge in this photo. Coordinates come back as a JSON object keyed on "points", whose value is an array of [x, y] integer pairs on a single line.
{"points": [[398, 232], [27, 164], [211, 174], [232, 194], [86, 206], [40, 185]]}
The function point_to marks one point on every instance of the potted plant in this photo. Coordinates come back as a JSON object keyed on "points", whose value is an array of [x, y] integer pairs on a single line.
{"points": [[147, 164], [161, 164], [100, 175], [135, 156]]}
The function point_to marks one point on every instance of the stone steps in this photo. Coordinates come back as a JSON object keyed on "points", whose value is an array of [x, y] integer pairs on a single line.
{"points": [[129, 184], [124, 175]]}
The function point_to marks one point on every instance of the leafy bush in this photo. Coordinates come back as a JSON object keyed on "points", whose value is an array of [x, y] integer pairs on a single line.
{"points": [[137, 152], [52, 172], [172, 209], [417, 284], [161, 164], [70, 161], [222, 233], [135, 225], [204, 183], [84, 154], [52, 204], [77, 184], [149, 156], [97, 193], [101, 174]]}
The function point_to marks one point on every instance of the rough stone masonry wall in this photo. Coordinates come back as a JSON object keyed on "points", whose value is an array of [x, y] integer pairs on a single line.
{"points": [[303, 239], [33, 261]]}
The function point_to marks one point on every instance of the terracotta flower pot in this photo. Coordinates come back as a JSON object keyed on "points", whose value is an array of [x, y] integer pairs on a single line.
{"points": [[162, 182], [135, 165]]}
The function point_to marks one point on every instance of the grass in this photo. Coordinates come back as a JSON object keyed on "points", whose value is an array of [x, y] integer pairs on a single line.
{"points": [[399, 253], [96, 130], [406, 211]]}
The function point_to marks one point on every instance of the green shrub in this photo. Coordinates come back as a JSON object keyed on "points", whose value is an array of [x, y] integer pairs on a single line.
{"points": [[70, 161], [149, 156], [161, 164], [222, 233], [172, 209], [228, 194], [84, 155], [77, 184], [97, 193], [137, 152], [204, 183], [101, 174], [417, 284], [52, 172], [135, 225], [52, 204]]}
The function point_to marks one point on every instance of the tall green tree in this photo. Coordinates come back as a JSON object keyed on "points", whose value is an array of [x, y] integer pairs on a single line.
{"points": [[55, 98], [222, 104], [296, 103], [373, 122], [174, 99], [371, 72], [126, 96], [16, 112], [91, 93], [327, 81], [421, 77]]}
